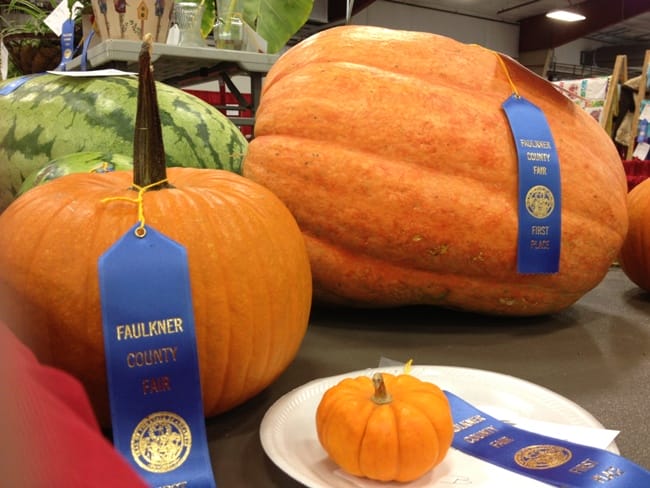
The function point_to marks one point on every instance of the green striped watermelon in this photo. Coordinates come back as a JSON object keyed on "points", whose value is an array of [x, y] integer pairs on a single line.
{"points": [[51, 116], [81, 162]]}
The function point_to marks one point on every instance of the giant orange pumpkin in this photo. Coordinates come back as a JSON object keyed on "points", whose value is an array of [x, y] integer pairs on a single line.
{"points": [[392, 151], [249, 271]]}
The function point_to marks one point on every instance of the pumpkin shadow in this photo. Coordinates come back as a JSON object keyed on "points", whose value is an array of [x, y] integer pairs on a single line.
{"points": [[591, 334], [638, 298], [421, 318], [238, 458]]}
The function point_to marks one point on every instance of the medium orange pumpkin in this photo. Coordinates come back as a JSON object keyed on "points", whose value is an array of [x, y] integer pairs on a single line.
{"points": [[634, 257], [249, 272], [392, 151], [386, 428]]}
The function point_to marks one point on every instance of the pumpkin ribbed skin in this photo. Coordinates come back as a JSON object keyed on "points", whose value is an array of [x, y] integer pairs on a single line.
{"points": [[634, 257], [249, 271], [397, 441], [393, 153]]}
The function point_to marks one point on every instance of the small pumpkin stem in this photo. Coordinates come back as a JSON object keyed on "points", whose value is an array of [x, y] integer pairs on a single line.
{"points": [[149, 164], [381, 396]]}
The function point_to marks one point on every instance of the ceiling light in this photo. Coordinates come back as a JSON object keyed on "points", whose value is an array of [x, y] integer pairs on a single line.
{"points": [[565, 16]]}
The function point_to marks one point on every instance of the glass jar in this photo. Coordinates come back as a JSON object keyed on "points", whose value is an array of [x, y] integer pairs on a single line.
{"points": [[229, 32], [189, 16]]}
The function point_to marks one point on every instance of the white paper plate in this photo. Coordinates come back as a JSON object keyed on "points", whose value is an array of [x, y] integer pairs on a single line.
{"points": [[288, 429]]}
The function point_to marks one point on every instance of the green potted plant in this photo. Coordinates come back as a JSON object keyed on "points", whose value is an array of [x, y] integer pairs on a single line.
{"points": [[277, 20], [274, 20], [31, 45]]}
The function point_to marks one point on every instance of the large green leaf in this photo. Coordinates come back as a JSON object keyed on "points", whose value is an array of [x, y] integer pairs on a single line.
{"points": [[209, 16], [277, 20]]}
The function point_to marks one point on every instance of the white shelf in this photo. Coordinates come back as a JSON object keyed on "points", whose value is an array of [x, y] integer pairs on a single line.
{"points": [[183, 66], [175, 62]]}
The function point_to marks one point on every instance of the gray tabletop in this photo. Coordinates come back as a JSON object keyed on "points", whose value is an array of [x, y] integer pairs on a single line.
{"points": [[596, 354]]}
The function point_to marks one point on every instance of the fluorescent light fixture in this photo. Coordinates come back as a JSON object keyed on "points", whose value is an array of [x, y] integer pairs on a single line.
{"points": [[565, 16]]}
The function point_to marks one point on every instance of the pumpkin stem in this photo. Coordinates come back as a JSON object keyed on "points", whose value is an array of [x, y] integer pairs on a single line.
{"points": [[149, 164], [381, 396]]}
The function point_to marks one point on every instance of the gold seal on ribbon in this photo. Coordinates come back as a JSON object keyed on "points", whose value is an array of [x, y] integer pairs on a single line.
{"points": [[540, 201], [161, 442], [543, 456]]}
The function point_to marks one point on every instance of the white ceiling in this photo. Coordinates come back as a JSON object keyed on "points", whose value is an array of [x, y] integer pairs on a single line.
{"points": [[635, 30], [630, 36], [505, 10]]}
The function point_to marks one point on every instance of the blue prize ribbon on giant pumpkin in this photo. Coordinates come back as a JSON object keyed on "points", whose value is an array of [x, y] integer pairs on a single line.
{"points": [[539, 205], [554, 461], [152, 361]]}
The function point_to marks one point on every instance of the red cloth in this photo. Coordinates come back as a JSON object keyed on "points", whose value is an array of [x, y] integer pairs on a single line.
{"points": [[636, 171], [49, 436]]}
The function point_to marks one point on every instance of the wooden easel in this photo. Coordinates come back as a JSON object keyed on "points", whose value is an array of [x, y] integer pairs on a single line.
{"points": [[619, 75], [637, 109]]}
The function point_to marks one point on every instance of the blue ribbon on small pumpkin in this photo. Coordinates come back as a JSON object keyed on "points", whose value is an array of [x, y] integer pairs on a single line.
{"points": [[554, 461]]}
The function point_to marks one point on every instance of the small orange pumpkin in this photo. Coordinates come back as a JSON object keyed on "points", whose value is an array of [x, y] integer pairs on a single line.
{"points": [[386, 428], [634, 257], [249, 269]]}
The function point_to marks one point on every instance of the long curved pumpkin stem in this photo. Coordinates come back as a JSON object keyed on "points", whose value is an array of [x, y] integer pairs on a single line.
{"points": [[381, 396], [149, 164]]}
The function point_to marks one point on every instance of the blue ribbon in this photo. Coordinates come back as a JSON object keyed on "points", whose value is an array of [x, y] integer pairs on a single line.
{"points": [[540, 206], [16, 83], [556, 462], [84, 51], [152, 361], [67, 44]]}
